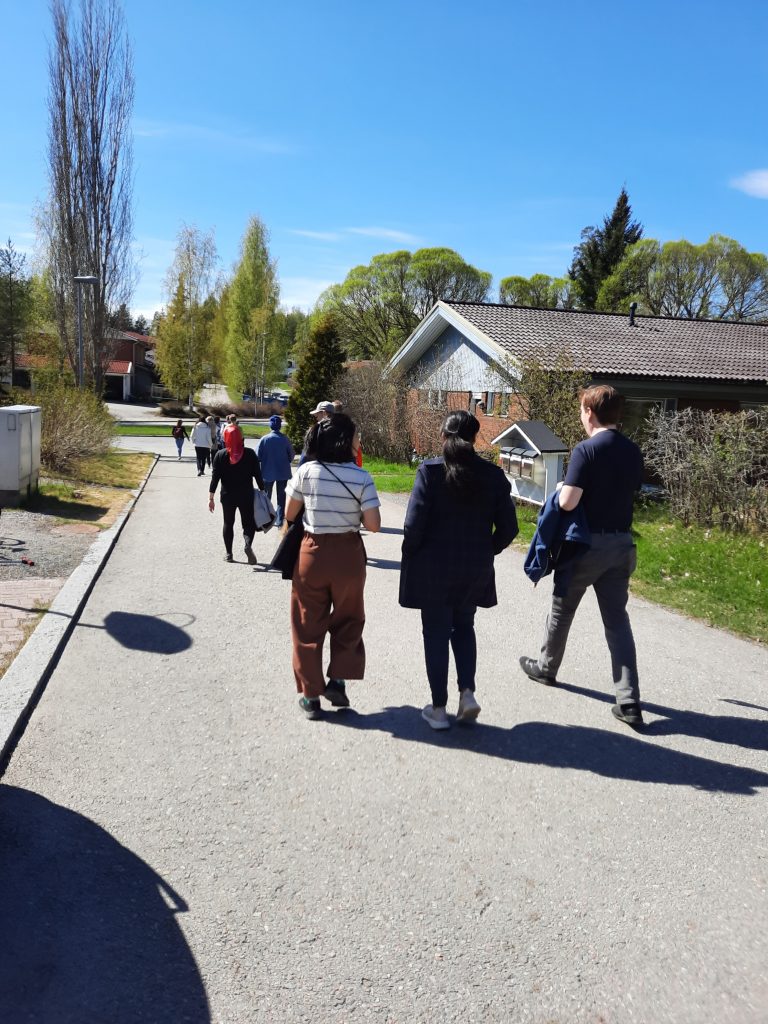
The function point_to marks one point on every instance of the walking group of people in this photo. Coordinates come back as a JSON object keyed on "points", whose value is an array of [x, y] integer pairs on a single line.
{"points": [[460, 516]]}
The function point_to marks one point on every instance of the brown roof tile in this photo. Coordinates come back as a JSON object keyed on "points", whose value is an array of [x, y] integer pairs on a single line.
{"points": [[606, 343]]}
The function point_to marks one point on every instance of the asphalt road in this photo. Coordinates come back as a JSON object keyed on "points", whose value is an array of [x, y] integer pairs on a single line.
{"points": [[178, 844]]}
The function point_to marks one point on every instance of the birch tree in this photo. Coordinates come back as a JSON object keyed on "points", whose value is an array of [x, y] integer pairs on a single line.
{"points": [[183, 346]]}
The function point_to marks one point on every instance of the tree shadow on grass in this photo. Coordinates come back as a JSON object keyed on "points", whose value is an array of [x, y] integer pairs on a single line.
{"points": [[63, 508], [88, 931], [610, 754], [735, 731]]}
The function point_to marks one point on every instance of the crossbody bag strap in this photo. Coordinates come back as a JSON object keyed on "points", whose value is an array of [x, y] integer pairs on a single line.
{"points": [[342, 484]]}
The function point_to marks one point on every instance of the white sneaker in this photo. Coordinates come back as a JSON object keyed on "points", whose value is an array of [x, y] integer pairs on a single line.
{"points": [[469, 709], [435, 717]]}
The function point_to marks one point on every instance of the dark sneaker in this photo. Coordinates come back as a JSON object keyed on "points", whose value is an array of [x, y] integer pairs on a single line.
{"points": [[531, 668], [630, 714], [336, 693], [249, 553], [228, 557], [311, 707]]}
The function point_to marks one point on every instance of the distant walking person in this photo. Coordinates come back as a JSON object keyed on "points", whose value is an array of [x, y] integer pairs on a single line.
{"points": [[201, 439], [214, 443], [328, 581], [460, 516], [603, 474], [236, 467], [179, 435], [275, 453]]}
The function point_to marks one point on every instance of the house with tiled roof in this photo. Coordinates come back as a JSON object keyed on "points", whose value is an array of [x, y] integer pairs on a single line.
{"points": [[130, 372], [711, 364]]}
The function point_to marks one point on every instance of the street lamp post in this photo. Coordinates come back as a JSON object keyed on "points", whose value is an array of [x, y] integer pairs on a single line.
{"points": [[80, 280]]}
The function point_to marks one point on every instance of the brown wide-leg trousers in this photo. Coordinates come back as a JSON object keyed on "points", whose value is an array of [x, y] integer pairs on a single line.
{"points": [[327, 597]]}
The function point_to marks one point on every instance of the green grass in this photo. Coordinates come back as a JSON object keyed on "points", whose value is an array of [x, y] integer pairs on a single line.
{"points": [[164, 430], [390, 477], [113, 469], [718, 577]]}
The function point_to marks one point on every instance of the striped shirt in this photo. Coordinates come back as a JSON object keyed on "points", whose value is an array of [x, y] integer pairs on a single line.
{"points": [[328, 505]]}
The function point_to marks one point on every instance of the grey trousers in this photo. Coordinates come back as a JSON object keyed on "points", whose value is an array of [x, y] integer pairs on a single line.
{"points": [[607, 567]]}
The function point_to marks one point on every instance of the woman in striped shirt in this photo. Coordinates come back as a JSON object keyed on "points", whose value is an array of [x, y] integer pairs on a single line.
{"points": [[336, 497]]}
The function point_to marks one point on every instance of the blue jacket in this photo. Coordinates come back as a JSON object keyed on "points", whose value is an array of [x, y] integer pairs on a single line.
{"points": [[560, 538], [275, 453], [449, 544]]}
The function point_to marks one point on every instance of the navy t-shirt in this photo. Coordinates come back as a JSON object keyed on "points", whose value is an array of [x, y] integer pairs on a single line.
{"points": [[609, 469]]}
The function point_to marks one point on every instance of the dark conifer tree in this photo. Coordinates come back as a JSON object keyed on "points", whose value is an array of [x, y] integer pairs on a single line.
{"points": [[601, 250], [320, 367]]}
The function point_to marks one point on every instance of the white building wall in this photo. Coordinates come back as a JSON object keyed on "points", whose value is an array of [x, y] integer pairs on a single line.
{"points": [[454, 363]]}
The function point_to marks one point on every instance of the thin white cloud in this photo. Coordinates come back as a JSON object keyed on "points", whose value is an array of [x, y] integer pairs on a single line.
{"points": [[754, 183], [179, 130], [320, 236], [301, 291], [385, 233]]}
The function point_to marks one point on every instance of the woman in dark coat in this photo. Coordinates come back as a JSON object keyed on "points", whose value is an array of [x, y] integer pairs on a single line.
{"points": [[460, 516]]}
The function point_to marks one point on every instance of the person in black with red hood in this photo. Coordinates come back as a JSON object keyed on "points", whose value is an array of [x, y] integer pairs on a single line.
{"points": [[236, 467]]}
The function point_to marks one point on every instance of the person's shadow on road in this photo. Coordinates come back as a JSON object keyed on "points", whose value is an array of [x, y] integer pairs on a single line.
{"points": [[750, 733], [611, 754], [88, 930]]}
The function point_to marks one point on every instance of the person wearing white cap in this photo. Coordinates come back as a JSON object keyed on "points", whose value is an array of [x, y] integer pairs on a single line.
{"points": [[323, 411]]}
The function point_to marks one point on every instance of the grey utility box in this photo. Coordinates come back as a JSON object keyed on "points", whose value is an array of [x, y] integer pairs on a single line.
{"points": [[533, 458], [19, 452]]}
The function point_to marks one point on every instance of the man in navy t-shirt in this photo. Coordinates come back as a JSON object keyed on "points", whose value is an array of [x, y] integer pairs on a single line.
{"points": [[603, 475]]}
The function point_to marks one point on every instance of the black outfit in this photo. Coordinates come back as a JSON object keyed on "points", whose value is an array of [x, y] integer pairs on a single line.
{"points": [[447, 567], [237, 491]]}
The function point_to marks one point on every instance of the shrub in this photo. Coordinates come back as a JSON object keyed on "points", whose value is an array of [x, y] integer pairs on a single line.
{"points": [[378, 404], [714, 466], [74, 425]]}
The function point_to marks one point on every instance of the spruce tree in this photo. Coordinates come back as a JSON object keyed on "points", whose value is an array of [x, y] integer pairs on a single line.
{"points": [[601, 250], [320, 368]]}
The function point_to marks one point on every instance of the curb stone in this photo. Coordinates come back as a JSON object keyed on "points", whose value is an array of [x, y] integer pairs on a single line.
{"points": [[25, 680]]}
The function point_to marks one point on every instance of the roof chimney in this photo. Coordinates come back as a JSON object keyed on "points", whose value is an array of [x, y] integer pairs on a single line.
{"points": [[632, 311]]}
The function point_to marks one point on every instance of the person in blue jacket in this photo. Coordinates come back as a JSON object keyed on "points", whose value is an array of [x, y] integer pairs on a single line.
{"points": [[460, 516], [603, 475], [275, 453]]}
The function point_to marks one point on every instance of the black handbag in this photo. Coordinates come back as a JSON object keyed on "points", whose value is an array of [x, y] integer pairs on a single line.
{"points": [[287, 554]]}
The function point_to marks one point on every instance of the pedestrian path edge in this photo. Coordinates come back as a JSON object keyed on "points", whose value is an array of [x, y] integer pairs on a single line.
{"points": [[24, 682]]}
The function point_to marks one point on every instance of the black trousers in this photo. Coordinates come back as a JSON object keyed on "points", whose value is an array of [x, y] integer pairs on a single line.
{"points": [[244, 504], [202, 455], [444, 627]]}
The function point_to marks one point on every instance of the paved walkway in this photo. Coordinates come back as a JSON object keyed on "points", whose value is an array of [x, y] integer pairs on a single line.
{"points": [[178, 844], [20, 604]]}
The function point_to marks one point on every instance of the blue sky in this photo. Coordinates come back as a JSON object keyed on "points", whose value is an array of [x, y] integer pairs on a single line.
{"points": [[499, 129]]}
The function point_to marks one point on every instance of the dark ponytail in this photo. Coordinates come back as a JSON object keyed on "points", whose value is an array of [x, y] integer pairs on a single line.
{"points": [[459, 431]]}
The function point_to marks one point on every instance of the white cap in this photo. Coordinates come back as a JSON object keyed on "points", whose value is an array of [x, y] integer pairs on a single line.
{"points": [[323, 407]]}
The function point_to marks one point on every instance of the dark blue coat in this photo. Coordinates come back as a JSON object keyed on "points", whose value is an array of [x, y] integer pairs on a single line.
{"points": [[449, 543], [560, 537]]}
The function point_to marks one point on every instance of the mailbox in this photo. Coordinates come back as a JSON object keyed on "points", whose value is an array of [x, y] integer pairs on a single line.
{"points": [[19, 452], [533, 459]]}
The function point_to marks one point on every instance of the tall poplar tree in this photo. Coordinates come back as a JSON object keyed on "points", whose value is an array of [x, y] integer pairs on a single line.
{"points": [[601, 250], [251, 305]]}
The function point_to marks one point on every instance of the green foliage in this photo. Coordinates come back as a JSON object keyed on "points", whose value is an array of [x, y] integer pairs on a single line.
{"points": [[15, 302], [540, 290], [182, 346], [546, 383], [318, 371], [718, 279], [601, 249], [714, 466], [377, 306], [74, 425], [252, 341]]}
